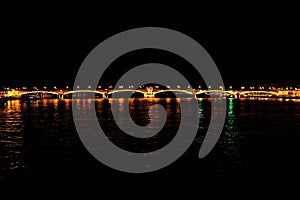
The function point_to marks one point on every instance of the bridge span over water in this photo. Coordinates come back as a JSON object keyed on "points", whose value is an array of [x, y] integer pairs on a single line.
{"points": [[151, 93]]}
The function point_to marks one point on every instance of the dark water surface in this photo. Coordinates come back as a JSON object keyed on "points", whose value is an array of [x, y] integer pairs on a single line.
{"points": [[39, 142]]}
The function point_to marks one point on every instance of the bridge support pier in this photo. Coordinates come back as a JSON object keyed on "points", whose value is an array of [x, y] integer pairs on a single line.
{"points": [[149, 95]]}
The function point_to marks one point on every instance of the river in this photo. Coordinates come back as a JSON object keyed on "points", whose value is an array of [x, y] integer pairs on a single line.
{"points": [[39, 141]]}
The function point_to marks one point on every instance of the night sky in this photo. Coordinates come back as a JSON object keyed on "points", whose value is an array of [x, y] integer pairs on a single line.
{"points": [[47, 47]]}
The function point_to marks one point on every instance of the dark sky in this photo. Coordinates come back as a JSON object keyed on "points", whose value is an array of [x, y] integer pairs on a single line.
{"points": [[48, 46]]}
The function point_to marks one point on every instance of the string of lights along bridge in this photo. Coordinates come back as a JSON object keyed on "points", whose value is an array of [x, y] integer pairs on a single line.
{"points": [[148, 92]]}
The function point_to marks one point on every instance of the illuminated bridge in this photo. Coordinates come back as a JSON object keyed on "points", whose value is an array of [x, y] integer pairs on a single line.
{"points": [[149, 93]]}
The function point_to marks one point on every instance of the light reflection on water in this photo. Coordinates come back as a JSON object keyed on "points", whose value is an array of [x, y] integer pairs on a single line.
{"points": [[38, 138], [231, 132], [11, 137]]}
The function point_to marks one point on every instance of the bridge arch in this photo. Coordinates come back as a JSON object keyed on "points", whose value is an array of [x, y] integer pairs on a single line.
{"points": [[38, 92], [83, 91], [217, 91], [64, 95], [174, 91], [258, 92], [182, 91], [118, 91], [123, 91]]}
